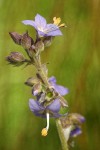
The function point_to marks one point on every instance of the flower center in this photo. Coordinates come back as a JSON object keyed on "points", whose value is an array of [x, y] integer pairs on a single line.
{"points": [[40, 28]]}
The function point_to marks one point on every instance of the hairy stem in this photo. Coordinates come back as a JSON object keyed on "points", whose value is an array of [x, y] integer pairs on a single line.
{"points": [[40, 70]]}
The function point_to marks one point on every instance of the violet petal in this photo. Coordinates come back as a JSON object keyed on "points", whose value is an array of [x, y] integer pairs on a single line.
{"points": [[34, 106], [40, 33], [52, 30], [54, 106], [40, 21], [81, 119], [52, 79], [40, 114], [60, 89], [55, 33], [30, 22], [75, 132]]}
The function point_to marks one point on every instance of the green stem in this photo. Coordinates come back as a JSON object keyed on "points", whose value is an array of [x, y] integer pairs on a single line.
{"points": [[61, 135]]}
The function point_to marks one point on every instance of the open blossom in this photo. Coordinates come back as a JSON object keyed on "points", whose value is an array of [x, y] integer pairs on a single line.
{"points": [[39, 110], [51, 110], [43, 28]]}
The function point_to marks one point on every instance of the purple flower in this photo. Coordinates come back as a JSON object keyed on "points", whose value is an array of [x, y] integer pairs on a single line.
{"points": [[58, 88], [51, 110], [39, 110], [42, 27]]}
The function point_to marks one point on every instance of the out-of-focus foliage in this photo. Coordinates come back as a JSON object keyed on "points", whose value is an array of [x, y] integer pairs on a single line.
{"points": [[73, 59]]}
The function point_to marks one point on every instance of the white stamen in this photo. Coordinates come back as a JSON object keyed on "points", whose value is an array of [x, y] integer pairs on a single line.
{"points": [[47, 127]]}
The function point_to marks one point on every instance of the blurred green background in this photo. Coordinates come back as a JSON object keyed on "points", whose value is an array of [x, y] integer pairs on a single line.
{"points": [[74, 60]]}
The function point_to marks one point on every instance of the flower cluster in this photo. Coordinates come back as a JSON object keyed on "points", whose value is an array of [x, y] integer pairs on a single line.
{"points": [[48, 95]]}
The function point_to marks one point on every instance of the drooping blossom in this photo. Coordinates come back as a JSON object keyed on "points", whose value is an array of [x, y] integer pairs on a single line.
{"points": [[71, 125], [39, 110], [51, 110], [43, 29]]}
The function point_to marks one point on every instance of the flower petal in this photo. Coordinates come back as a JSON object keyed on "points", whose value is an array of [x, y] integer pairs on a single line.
{"points": [[55, 33], [40, 33], [40, 21], [52, 30], [60, 89], [40, 114], [54, 106], [35, 106], [52, 79], [81, 119], [75, 132], [29, 22], [56, 115], [51, 27]]}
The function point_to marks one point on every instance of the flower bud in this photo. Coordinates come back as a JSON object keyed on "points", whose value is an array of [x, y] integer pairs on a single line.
{"points": [[42, 97], [31, 81], [15, 58], [26, 41], [47, 41], [16, 37], [31, 51], [39, 46], [37, 88]]}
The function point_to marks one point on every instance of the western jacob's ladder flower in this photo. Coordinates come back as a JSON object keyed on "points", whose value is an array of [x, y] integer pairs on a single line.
{"points": [[43, 29]]}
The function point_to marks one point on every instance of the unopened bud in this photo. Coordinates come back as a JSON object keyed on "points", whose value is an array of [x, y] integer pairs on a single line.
{"points": [[16, 37], [39, 46], [26, 41], [31, 81], [42, 97], [47, 41], [15, 58], [31, 51], [37, 88]]}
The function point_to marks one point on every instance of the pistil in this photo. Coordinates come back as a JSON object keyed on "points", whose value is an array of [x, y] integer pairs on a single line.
{"points": [[44, 131]]}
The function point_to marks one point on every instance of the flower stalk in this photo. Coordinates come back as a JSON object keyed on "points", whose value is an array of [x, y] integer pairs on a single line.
{"points": [[40, 71]]}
